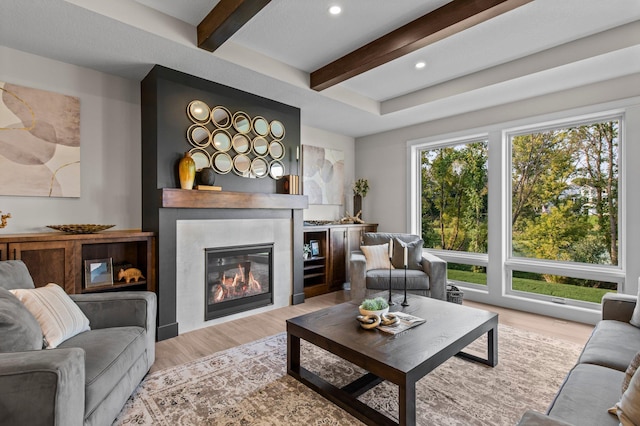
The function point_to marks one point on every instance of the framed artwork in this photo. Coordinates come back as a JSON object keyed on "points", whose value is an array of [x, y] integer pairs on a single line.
{"points": [[98, 272], [40, 140], [315, 248], [323, 175]]}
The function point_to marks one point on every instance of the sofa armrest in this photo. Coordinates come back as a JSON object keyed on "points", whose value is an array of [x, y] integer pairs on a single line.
{"points": [[618, 307], [358, 275], [44, 387], [533, 418], [436, 268], [122, 309]]}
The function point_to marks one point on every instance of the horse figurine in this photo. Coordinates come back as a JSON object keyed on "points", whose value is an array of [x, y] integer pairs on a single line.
{"points": [[3, 219]]}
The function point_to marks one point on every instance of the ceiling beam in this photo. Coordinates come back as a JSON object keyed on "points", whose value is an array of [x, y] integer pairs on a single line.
{"points": [[227, 17], [452, 18]]}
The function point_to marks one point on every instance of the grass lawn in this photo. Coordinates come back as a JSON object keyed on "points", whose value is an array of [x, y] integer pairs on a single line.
{"points": [[587, 294]]}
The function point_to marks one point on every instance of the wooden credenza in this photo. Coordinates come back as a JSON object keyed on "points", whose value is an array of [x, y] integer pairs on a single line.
{"points": [[55, 257], [329, 270]]}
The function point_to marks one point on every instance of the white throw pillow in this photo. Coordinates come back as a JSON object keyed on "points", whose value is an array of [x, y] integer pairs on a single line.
{"points": [[59, 317], [628, 409], [377, 256], [635, 317]]}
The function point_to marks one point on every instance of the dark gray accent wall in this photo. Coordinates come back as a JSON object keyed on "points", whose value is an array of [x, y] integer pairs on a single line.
{"points": [[165, 95]]}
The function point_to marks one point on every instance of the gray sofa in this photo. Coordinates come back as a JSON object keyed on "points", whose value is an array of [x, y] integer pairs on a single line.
{"points": [[594, 384], [86, 379], [426, 275]]}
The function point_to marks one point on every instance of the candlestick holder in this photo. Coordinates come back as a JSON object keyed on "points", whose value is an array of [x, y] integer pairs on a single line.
{"points": [[390, 302], [404, 302]]}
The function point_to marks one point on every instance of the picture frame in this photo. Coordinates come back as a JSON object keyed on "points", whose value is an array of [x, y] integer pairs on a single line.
{"points": [[315, 248], [98, 272]]}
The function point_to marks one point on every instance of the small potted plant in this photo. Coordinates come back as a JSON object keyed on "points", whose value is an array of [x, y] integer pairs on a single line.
{"points": [[306, 251], [360, 189], [377, 306]]}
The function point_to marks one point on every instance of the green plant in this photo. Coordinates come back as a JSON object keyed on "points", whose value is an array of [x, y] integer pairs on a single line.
{"points": [[361, 187], [376, 304]]}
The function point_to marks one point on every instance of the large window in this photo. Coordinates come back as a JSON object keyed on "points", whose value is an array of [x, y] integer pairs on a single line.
{"points": [[564, 228], [454, 196]]}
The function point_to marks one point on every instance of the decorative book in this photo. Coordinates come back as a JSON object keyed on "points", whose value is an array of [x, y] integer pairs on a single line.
{"points": [[405, 322]]}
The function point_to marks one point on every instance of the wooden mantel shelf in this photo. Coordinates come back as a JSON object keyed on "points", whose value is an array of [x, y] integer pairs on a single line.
{"points": [[194, 199]]}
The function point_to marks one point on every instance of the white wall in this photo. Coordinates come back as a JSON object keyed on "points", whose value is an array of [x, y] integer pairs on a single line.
{"points": [[388, 201], [109, 146], [321, 138]]}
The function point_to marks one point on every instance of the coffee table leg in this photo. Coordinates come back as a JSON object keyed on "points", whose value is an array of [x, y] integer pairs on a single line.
{"points": [[492, 346], [293, 353], [407, 404]]}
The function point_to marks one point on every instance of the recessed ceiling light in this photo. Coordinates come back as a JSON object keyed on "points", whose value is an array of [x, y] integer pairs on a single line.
{"points": [[420, 65], [335, 10]]}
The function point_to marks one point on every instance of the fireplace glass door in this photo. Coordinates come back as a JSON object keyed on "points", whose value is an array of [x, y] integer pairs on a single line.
{"points": [[237, 279]]}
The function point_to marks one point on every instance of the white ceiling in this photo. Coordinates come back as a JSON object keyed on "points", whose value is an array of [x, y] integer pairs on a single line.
{"points": [[541, 47]]}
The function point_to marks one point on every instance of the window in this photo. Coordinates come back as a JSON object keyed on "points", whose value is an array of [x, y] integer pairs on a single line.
{"points": [[453, 206], [564, 227]]}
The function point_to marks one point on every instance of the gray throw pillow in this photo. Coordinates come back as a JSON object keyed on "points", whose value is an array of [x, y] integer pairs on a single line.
{"points": [[19, 330], [414, 254]]}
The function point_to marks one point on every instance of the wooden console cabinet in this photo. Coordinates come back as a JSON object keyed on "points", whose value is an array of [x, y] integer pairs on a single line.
{"points": [[329, 270], [59, 258]]}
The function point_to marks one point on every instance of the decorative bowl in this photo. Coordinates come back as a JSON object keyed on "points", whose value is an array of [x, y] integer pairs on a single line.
{"points": [[378, 312], [81, 228]]}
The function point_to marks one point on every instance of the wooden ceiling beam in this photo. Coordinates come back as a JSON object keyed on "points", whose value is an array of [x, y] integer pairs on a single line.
{"points": [[443, 22], [227, 17]]}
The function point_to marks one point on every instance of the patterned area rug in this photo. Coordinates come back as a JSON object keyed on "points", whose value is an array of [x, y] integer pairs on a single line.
{"points": [[248, 385]]}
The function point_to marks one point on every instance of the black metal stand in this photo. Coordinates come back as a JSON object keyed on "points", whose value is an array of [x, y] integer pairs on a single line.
{"points": [[390, 302], [404, 302]]}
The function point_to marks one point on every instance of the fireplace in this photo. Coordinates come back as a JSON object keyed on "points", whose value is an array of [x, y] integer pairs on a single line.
{"points": [[237, 279]]}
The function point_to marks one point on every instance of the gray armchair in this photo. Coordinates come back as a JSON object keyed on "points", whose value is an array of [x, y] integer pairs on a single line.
{"points": [[88, 378], [426, 276]]}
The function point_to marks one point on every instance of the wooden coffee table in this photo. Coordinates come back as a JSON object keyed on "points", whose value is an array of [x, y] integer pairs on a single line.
{"points": [[402, 359]]}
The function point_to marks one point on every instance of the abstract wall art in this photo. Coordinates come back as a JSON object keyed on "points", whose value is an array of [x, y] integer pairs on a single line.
{"points": [[39, 142], [323, 175]]}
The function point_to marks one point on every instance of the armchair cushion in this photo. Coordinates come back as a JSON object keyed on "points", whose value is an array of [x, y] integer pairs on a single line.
{"points": [[59, 317], [377, 256], [414, 253], [18, 327]]}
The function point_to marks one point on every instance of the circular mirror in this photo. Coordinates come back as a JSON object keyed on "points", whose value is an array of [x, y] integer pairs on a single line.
{"points": [[259, 167], [276, 150], [276, 169], [221, 140], [241, 164], [241, 144], [260, 126], [198, 112], [198, 135], [241, 122], [260, 146], [277, 129], [221, 117], [221, 162], [201, 158]]}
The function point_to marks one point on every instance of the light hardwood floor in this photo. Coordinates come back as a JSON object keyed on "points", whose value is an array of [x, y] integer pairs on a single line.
{"points": [[199, 343]]}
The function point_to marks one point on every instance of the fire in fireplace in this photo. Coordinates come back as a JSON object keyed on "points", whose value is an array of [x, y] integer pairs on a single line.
{"points": [[237, 279]]}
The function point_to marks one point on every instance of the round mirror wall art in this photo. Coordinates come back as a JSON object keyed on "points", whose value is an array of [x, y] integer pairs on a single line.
{"points": [[259, 167], [276, 150], [241, 164], [221, 117], [221, 140], [198, 112], [221, 163], [260, 126], [276, 169], [258, 150], [198, 135], [260, 146], [241, 144], [201, 158], [241, 122], [277, 129]]}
